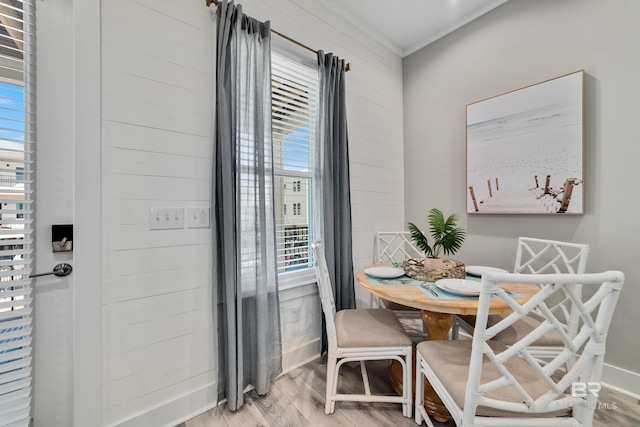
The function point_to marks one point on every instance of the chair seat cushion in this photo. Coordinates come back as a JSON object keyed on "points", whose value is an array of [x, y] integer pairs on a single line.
{"points": [[374, 327], [450, 361], [522, 328], [518, 330]]}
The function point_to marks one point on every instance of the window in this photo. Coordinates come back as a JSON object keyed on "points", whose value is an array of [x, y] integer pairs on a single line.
{"points": [[17, 169], [293, 112]]}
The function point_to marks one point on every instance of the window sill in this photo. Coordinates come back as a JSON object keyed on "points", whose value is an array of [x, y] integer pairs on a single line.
{"points": [[295, 279]]}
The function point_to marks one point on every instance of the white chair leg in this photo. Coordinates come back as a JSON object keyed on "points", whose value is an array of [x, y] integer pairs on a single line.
{"points": [[419, 390], [365, 378], [407, 386], [332, 379], [421, 413], [336, 378]]}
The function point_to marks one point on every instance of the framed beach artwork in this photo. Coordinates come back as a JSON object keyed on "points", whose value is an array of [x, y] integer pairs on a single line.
{"points": [[525, 150]]}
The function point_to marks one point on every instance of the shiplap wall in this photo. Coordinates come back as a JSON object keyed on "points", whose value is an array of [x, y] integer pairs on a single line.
{"points": [[157, 71], [157, 64]]}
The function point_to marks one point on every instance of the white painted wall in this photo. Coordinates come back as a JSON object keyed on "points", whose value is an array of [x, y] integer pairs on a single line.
{"points": [[518, 44], [157, 69]]}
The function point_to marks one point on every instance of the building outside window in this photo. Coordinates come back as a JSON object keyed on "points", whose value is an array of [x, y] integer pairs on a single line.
{"points": [[294, 88]]}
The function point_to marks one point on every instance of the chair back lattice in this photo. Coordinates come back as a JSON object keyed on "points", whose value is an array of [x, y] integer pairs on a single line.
{"points": [[550, 256], [325, 291], [393, 247], [586, 349], [537, 256]]}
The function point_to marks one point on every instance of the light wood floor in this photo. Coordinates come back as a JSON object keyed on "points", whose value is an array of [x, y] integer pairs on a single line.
{"points": [[296, 399]]}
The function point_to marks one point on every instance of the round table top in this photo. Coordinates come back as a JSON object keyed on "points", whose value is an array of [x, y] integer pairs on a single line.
{"points": [[412, 296]]}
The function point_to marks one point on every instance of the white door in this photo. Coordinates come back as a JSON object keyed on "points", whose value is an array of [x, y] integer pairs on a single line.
{"points": [[67, 332], [49, 326]]}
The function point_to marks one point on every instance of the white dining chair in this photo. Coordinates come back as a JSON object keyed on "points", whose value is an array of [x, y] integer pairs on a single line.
{"points": [[542, 256], [485, 383], [392, 248], [360, 335]]}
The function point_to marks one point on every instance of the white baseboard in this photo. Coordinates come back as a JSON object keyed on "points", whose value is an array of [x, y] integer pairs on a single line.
{"points": [[299, 356], [184, 408], [302, 363], [621, 380]]}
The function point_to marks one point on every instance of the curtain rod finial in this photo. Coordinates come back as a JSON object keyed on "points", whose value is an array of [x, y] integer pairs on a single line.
{"points": [[211, 1]]}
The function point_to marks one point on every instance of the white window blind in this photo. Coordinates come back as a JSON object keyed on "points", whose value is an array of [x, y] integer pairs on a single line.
{"points": [[294, 111], [17, 143]]}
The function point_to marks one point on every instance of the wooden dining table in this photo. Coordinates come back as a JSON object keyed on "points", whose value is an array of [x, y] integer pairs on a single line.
{"points": [[438, 316]]}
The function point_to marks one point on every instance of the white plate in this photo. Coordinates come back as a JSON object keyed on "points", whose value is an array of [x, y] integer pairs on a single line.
{"points": [[384, 272], [477, 270], [460, 286]]}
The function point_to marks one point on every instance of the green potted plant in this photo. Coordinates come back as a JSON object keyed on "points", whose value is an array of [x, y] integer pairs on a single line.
{"points": [[447, 239], [447, 236]]}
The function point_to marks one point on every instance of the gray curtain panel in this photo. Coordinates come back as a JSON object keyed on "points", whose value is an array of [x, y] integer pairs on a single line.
{"points": [[334, 226], [246, 306]]}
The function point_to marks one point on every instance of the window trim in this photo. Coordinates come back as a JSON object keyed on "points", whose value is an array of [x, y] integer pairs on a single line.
{"points": [[303, 276], [296, 278]]}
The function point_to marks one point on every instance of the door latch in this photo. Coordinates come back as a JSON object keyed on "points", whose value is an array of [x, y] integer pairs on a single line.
{"points": [[63, 269]]}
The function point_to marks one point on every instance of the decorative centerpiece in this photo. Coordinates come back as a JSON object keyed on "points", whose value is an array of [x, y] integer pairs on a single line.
{"points": [[447, 239]]}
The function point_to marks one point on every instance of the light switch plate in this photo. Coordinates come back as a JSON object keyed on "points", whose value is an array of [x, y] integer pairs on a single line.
{"points": [[166, 218], [197, 217]]}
